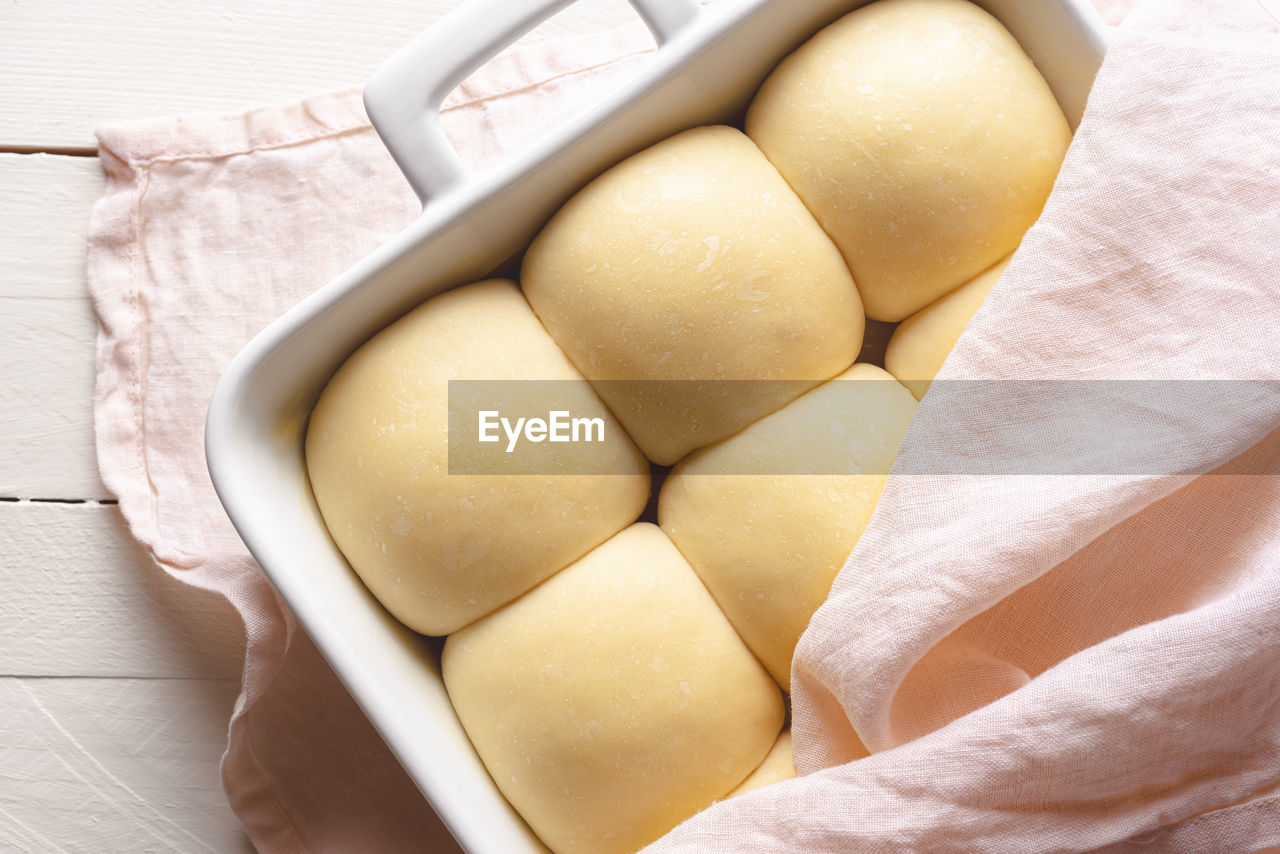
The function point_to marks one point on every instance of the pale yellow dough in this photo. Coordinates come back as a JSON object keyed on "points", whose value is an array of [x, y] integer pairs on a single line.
{"points": [[441, 550], [775, 768], [921, 343], [923, 139], [693, 260], [769, 545], [613, 701]]}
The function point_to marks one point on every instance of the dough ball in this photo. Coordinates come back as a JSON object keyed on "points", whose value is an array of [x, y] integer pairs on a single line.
{"points": [[775, 768], [768, 545], [613, 701], [923, 139], [693, 260], [440, 550], [921, 343]]}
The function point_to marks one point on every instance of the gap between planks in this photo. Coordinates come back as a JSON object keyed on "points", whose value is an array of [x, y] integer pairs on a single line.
{"points": [[61, 151], [22, 499]]}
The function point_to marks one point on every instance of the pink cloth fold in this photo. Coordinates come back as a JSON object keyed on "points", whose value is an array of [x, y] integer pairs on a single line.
{"points": [[1005, 664]]}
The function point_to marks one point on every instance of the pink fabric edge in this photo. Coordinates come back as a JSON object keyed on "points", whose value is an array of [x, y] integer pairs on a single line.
{"points": [[1202, 832], [118, 425], [213, 135]]}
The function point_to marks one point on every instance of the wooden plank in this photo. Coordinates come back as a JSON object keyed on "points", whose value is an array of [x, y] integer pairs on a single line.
{"points": [[72, 65], [45, 201], [46, 393], [48, 328], [81, 598], [92, 765]]}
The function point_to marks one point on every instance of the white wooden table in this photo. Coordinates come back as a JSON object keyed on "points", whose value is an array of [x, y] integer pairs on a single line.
{"points": [[116, 682]]}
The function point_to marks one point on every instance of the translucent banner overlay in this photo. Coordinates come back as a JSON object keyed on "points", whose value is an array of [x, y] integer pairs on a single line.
{"points": [[852, 427]]}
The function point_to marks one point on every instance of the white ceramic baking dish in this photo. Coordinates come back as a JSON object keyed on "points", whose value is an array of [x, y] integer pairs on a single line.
{"points": [[709, 62]]}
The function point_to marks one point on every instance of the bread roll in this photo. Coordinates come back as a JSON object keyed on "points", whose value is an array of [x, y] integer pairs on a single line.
{"points": [[922, 138], [439, 550], [693, 260], [769, 545], [921, 343], [613, 701], [775, 768]]}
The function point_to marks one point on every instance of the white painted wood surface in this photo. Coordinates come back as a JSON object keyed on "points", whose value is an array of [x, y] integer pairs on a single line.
{"points": [[47, 326], [111, 764], [72, 64], [82, 599], [116, 682]]}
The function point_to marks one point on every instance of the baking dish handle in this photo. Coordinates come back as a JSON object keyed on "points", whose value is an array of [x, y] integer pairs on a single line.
{"points": [[404, 95]]}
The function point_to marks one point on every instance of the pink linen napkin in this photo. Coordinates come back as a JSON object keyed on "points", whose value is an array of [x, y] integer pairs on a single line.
{"points": [[1069, 664]]}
